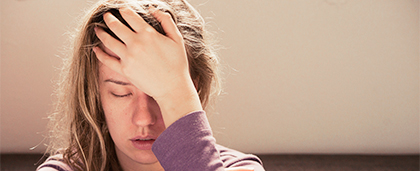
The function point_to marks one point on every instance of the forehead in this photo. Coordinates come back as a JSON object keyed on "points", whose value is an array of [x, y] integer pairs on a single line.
{"points": [[107, 73]]}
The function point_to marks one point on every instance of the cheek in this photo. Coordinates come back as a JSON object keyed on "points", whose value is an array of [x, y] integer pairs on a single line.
{"points": [[114, 114], [110, 115], [112, 108], [118, 125]]}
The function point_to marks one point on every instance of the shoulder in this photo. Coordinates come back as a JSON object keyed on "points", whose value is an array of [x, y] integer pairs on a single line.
{"points": [[54, 163], [233, 159]]}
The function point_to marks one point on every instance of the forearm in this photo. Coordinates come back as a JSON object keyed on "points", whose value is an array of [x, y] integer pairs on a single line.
{"points": [[179, 102]]}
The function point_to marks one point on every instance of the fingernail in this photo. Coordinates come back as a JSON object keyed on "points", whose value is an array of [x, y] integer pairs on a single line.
{"points": [[106, 15]]}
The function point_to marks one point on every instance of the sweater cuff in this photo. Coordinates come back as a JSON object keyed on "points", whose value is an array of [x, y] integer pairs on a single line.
{"points": [[188, 144]]}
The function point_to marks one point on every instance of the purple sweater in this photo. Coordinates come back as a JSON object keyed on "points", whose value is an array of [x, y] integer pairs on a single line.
{"points": [[188, 144]]}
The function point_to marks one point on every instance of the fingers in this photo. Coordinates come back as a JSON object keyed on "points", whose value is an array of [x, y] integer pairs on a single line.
{"points": [[118, 28], [115, 45], [107, 60], [133, 19], [138, 24], [167, 23]]}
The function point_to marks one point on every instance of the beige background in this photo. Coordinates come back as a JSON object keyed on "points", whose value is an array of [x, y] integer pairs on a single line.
{"points": [[319, 76]]}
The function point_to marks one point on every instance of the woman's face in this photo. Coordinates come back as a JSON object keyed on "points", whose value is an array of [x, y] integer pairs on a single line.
{"points": [[134, 119]]}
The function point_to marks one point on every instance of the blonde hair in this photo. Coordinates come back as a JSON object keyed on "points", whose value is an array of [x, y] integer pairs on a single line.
{"points": [[77, 126]]}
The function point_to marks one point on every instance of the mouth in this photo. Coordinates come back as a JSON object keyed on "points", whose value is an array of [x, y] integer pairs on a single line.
{"points": [[143, 143], [145, 139]]}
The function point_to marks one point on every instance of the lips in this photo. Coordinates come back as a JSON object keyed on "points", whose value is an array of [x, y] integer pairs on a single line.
{"points": [[145, 139], [143, 143]]}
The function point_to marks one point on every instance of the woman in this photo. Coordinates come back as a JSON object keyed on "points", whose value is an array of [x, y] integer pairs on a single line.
{"points": [[132, 95]]}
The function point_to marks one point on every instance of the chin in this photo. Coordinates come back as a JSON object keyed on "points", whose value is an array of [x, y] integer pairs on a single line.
{"points": [[134, 157], [144, 157]]}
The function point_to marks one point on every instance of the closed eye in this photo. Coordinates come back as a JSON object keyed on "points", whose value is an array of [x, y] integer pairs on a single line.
{"points": [[124, 95]]}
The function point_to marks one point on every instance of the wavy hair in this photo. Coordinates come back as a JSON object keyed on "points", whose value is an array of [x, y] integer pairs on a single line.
{"points": [[78, 129]]}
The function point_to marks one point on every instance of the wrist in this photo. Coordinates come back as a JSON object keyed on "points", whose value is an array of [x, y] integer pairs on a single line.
{"points": [[178, 103]]}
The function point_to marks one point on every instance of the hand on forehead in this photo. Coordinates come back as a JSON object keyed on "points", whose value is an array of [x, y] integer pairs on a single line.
{"points": [[148, 59]]}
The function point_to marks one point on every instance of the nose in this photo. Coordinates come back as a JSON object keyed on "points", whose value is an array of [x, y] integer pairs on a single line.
{"points": [[145, 113]]}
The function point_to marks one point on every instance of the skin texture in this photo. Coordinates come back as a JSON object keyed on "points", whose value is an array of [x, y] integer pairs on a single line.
{"points": [[129, 113], [145, 84], [154, 63]]}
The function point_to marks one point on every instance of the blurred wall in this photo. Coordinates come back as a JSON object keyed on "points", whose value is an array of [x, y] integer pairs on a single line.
{"points": [[320, 76]]}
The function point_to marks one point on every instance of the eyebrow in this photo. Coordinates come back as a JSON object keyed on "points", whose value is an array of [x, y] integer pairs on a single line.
{"points": [[117, 82]]}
